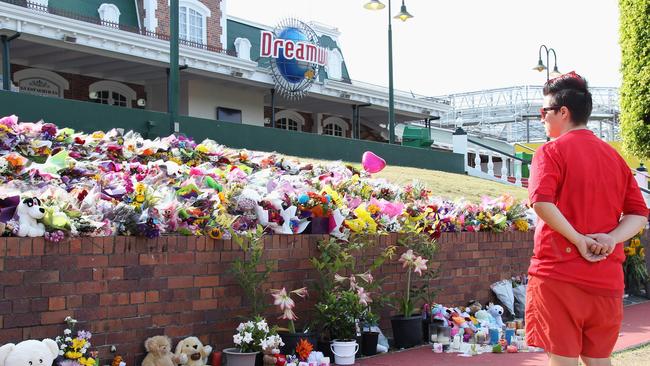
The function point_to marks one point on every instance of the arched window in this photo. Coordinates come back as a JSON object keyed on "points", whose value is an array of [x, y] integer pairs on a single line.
{"points": [[335, 126], [287, 124], [112, 93], [192, 21], [41, 82], [333, 130], [289, 120]]}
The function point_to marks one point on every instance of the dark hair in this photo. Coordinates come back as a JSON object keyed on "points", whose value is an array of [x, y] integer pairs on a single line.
{"points": [[570, 90]]}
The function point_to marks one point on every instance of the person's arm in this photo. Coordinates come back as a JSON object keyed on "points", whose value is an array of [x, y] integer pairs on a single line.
{"points": [[551, 215]]}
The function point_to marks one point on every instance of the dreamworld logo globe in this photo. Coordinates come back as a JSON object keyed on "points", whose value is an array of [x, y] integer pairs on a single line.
{"points": [[295, 54]]}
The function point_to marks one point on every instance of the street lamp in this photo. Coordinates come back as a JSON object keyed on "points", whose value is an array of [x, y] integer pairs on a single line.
{"points": [[540, 65], [403, 16]]}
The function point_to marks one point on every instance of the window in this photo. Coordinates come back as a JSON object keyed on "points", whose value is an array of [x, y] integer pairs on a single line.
{"points": [[112, 93], [192, 21], [287, 124], [333, 130], [111, 98], [228, 115]]}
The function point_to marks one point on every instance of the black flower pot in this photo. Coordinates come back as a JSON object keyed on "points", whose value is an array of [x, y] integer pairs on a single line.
{"points": [[407, 331], [369, 343], [291, 341], [319, 225]]}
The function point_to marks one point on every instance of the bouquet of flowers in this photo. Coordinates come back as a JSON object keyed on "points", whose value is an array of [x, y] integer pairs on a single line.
{"points": [[256, 336], [314, 204], [73, 348], [634, 267]]}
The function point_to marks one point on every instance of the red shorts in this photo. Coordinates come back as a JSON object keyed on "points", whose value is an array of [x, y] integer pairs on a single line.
{"points": [[566, 321]]}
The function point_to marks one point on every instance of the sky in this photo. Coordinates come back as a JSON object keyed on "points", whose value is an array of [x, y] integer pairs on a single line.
{"points": [[461, 45]]}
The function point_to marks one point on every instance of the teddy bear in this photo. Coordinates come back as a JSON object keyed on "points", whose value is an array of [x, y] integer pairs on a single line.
{"points": [[496, 311], [30, 352], [159, 353], [29, 210], [196, 353]]}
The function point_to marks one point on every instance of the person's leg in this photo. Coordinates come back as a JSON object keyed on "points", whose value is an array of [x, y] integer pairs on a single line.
{"points": [[596, 361], [556, 360]]}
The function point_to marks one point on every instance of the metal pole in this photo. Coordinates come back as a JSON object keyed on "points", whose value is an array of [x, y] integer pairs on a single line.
{"points": [[6, 64], [273, 108], [391, 96], [173, 83], [548, 64]]}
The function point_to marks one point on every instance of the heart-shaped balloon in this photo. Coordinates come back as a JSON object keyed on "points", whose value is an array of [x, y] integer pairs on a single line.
{"points": [[372, 163]]}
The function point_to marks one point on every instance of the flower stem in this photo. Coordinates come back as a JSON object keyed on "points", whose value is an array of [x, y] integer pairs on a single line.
{"points": [[292, 327], [407, 308]]}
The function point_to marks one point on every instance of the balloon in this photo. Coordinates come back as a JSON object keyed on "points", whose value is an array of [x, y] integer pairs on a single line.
{"points": [[372, 163]]}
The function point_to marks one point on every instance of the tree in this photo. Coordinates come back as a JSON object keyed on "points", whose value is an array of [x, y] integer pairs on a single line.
{"points": [[635, 91]]}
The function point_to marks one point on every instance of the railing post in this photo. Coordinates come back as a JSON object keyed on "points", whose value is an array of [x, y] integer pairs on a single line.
{"points": [[477, 160], [459, 142], [517, 173], [490, 164], [642, 179], [504, 168]]}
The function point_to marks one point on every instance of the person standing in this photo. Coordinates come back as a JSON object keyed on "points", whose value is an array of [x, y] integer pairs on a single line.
{"points": [[587, 202]]}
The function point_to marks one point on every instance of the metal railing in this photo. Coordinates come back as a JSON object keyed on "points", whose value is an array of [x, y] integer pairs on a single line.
{"points": [[72, 15]]}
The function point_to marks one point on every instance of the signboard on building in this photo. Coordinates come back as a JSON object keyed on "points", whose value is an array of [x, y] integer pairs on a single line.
{"points": [[296, 56], [40, 86]]}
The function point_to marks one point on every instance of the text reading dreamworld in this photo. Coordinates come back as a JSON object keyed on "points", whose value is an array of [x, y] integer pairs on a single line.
{"points": [[301, 51]]}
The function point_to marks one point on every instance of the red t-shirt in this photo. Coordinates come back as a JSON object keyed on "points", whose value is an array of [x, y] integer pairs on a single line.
{"points": [[592, 186]]}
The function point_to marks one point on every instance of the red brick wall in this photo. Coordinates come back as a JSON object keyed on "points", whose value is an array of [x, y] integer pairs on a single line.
{"points": [[213, 23], [126, 289]]}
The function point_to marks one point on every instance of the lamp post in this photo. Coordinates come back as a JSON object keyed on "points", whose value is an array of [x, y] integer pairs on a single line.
{"points": [[540, 65], [403, 16]]}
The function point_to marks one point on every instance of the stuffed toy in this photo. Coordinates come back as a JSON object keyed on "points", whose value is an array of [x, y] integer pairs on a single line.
{"points": [[159, 348], [496, 311], [473, 306], [30, 352], [196, 353], [484, 318], [29, 210]]}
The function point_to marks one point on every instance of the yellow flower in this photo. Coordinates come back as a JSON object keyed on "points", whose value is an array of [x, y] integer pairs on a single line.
{"points": [[373, 209], [642, 253], [629, 251], [98, 135], [78, 343], [635, 243], [521, 225], [87, 361], [72, 355], [202, 149]]}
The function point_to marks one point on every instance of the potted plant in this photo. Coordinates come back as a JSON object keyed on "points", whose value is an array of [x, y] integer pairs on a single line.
{"points": [[246, 271], [369, 337], [290, 337], [251, 338], [338, 314], [407, 326]]}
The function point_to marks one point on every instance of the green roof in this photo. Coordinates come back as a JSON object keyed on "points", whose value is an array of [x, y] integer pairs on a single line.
{"points": [[88, 8], [242, 30]]}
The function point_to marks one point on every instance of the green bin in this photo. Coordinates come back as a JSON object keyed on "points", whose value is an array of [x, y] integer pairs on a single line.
{"points": [[524, 167], [416, 137]]}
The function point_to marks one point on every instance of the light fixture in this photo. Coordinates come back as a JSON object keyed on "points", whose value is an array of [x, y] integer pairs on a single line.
{"points": [[93, 95], [141, 102], [403, 13], [555, 73], [540, 66], [374, 5]]}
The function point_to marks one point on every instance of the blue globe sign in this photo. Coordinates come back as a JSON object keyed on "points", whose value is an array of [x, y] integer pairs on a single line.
{"points": [[296, 57]]}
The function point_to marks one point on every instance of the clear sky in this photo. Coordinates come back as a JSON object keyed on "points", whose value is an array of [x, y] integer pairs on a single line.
{"points": [[462, 45]]}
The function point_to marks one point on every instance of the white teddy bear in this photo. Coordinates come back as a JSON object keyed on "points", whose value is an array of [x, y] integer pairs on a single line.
{"points": [[29, 210], [30, 352], [197, 354]]}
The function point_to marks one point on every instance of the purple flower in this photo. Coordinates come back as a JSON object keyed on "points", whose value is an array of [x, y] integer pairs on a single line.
{"points": [[84, 334]]}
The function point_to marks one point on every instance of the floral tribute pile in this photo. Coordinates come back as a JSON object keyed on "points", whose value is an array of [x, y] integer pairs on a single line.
{"points": [[119, 183]]}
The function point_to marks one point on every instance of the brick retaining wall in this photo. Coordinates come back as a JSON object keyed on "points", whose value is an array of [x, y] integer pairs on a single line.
{"points": [[125, 289]]}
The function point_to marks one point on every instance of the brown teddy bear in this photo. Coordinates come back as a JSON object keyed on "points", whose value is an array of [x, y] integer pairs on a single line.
{"points": [[197, 354], [159, 348]]}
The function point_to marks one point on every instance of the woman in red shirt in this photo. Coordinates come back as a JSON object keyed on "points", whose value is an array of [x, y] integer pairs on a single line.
{"points": [[587, 201]]}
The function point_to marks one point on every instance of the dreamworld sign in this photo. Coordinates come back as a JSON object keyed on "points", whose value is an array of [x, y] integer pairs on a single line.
{"points": [[295, 55]]}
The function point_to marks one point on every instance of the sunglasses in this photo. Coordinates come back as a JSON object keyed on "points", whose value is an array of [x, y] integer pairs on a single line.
{"points": [[544, 110]]}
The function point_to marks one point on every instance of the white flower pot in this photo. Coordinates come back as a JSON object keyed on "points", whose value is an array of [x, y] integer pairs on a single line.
{"points": [[236, 358], [344, 351]]}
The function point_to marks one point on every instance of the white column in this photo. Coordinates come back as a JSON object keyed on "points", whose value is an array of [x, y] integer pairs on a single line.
{"points": [[477, 160], [504, 168], [490, 164], [459, 142], [517, 173]]}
